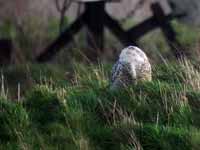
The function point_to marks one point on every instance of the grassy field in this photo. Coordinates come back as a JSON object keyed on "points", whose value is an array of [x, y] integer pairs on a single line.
{"points": [[48, 107]]}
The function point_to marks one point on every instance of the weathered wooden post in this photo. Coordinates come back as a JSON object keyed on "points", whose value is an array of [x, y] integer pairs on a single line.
{"points": [[95, 23], [94, 20]]}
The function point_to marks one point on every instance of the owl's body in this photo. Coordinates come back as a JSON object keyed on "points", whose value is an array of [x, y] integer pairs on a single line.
{"points": [[132, 66]]}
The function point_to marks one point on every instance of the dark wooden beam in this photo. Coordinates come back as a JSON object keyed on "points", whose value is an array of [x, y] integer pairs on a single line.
{"points": [[148, 25], [118, 31], [167, 29], [94, 21], [63, 39]]}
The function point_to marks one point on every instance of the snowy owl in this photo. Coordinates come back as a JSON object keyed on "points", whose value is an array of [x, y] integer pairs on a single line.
{"points": [[132, 66]]}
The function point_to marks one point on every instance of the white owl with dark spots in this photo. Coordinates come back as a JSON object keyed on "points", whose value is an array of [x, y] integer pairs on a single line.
{"points": [[132, 66]]}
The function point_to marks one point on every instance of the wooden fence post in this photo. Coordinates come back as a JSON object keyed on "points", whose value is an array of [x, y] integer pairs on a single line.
{"points": [[94, 20]]}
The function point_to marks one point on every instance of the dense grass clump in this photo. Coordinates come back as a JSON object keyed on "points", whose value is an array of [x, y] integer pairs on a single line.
{"points": [[81, 112], [13, 121], [46, 103]]}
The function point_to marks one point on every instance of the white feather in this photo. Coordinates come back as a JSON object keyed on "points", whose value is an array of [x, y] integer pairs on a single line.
{"points": [[131, 66]]}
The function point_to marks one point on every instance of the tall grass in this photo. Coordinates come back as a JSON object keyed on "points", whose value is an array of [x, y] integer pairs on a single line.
{"points": [[83, 113]]}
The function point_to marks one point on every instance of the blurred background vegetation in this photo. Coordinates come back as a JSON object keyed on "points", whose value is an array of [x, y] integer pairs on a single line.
{"points": [[32, 26]]}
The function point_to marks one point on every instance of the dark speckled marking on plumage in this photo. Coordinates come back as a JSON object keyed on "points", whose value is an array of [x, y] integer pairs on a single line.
{"points": [[121, 73]]}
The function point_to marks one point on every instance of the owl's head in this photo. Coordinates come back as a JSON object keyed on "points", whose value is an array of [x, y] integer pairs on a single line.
{"points": [[128, 54]]}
